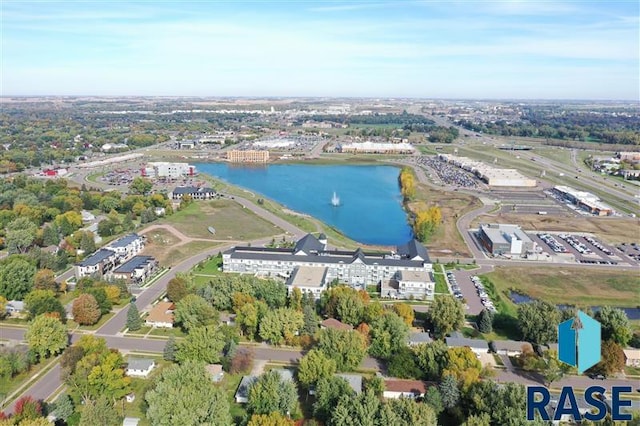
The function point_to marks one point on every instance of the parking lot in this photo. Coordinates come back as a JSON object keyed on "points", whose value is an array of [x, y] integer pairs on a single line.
{"points": [[465, 286], [581, 249], [530, 202], [631, 251]]}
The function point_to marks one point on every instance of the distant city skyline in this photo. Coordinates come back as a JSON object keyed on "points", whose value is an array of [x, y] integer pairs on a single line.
{"points": [[456, 50]]}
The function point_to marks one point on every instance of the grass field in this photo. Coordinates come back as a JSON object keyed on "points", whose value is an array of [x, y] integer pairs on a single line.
{"points": [[163, 245], [446, 241], [611, 230], [574, 286], [441, 284], [230, 220]]}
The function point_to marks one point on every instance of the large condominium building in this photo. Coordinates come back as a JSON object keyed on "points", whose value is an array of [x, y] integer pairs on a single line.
{"points": [[250, 156], [405, 273], [163, 169], [107, 258]]}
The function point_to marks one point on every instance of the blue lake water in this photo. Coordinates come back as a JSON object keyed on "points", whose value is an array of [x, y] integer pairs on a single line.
{"points": [[370, 208]]}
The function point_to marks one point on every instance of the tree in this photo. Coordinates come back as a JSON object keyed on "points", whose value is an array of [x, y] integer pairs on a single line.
{"points": [[247, 318], [507, 401], [350, 308], [45, 279], [100, 374], [20, 235], [346, 347], [431, 358], [310, 319], [314, 366], [242, 361], [403, 365], [50, 235], [410, 412], [100, 411], [177, 289], [612, 361], [373, 311], [133, 318], [328, 392], [46, 336], [64, 407], [100, 294], [87, 242], [140, 185], [280, 325], [16, 277], [433, 398], [113, 293], [462, 364], [426, 222], [482, 419], [202, 344], [295, 299], [376, 385], [404, 311], [485, 321], [615, 325], [169, 352], [193, 311], [449, 392], [85, 310], [271, 419], [362, 410], [388, 333], [446, 314], [44, 302], [538, 321], [26, 408], [270, 392]]}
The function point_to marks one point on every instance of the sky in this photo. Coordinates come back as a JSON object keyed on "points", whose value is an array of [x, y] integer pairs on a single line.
{"points": [[420, 49]]}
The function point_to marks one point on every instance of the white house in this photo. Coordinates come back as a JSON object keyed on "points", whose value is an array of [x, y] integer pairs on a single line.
{"points": [[632, 357], [478, 346], [510, 347], [161, 315], [215, 371], [14, 307], [127, 246], [99, 263], [395, 389], [140, 367]]}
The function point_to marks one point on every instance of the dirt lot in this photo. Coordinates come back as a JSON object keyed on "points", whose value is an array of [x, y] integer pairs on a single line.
{"points": [[610, 230], [446, 241], [169, 249]]}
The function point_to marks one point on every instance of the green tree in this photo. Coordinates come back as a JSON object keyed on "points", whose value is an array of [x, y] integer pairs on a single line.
{"points": [[51, 235], [64, 407], [140, 185], [87, 242], [134, 322], [20, 235], [482, 419], [410, 412], [462, 364], [16, 277], [373, 311], [350, 308], [376, 385], [184, 394], [271, 419], [402, 364], [433, 398], [612, 361], [449, 392], [100, 411], [177, 289], [615, 325], [446, 314], [46, 336], [203, 344], [346, 347], [310, 319], [272, 393], [280, 325], [247, 318], [85, 310], [314, 366], [389, 334], [404, 311], [100, 294], [538, 321], [169, 352], [193, 311], [485, 321], [362, 410], [44, 302], [328, 392]]}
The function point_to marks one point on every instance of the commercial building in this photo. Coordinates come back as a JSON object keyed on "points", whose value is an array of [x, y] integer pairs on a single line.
{"points": [[501, 239], [163, 169], [196, 193], [249, 156], [584, 200], [493, 176], [355, 268], [376, 148]]}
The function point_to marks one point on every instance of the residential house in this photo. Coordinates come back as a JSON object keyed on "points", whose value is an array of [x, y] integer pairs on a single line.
{"points": [[242, 393], [98, 264], [127, 246], [136, 270], [161, 315], [130, 421], [395, 389], [215, 371], [354, 380], [14, 307], [140, 367], [335, 324], [478, 346], [632, 357], [418, 338], [510, 347]]}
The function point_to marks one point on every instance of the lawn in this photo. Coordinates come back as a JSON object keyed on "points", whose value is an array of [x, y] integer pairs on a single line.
{"points": [[441, 284], [446, 241], [209, 267], [230, 220], [162, 245], [230, 384], [576, 286], [8, 385], [139, 386]]}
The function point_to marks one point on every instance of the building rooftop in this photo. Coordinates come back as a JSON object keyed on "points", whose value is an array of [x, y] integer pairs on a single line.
{"points": [[458, 342], [419, 276], [134, 263], [308, 276], [497, 231], [193, 190], [308, 244], [139, 363], [335, 324], [417, 387], [420, 337], [125, 241], [414, 250], [162, 312], [245, 384], [97, 257], [510, 345], [354, 380]]}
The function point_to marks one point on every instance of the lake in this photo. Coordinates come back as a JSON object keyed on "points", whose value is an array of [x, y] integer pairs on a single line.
{"points": [[370, 209]]}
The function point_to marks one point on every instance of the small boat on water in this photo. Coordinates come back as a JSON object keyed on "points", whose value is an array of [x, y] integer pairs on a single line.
{"points": [[335, 200], [212, 229]]}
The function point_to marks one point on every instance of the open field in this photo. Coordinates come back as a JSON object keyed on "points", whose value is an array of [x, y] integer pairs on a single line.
{"points": [[169, 250], [446, 241], [611, 230], [230, 220], [574, 286]]}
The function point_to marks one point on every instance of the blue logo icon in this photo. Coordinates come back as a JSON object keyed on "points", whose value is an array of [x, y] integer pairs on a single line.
{"points": [[579, 342]]}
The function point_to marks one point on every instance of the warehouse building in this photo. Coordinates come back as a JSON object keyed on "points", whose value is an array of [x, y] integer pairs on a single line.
{"points": [[501, 239], [584, 200], [493, 176], [376, 148]]}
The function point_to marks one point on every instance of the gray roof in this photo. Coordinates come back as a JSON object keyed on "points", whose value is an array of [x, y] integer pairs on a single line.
{"points": [[286, 375], [509, 345], [134, 263], [413, 250], [139, 363], [496, 232], [420, 338], [354, 380], [97, 257], [457, 342], [245, 384], [125, 241], [308, 244], [193, 190]]}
